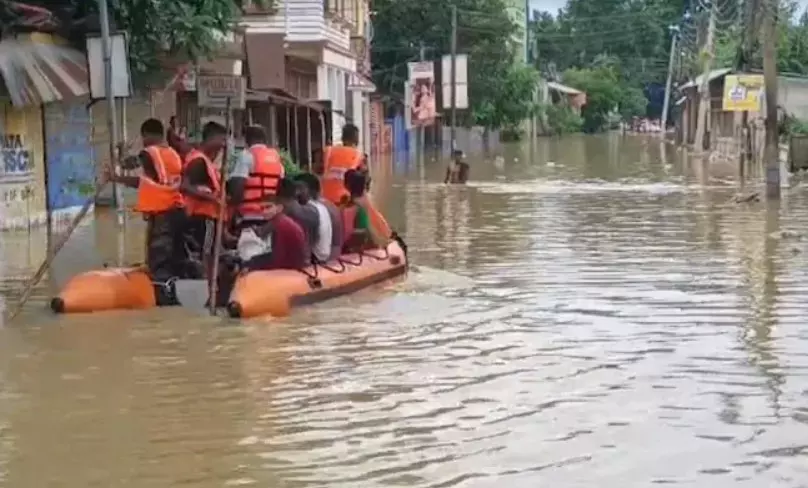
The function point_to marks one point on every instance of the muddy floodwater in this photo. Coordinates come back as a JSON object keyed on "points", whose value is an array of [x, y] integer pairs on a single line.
{"points": [[589, 312]]}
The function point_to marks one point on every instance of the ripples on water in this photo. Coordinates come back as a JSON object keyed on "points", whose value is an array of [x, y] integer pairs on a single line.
{"points": [[568, 325]]}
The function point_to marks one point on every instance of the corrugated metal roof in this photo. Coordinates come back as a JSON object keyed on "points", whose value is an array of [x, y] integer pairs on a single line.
{"points": [[714, 74], [34, 72], [361, 83]]}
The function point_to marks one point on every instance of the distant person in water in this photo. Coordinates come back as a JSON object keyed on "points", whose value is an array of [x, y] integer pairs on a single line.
{"points": [[458, 170]]}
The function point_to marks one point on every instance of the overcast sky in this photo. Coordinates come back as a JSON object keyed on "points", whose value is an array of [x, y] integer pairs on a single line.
{"points": [[553, 5]]}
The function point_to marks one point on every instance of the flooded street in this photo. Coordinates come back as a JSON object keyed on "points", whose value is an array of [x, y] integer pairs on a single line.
{"points": [[594, 312]]}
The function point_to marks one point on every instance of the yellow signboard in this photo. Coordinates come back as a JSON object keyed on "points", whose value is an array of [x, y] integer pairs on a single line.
{"points": [[743, 93]]}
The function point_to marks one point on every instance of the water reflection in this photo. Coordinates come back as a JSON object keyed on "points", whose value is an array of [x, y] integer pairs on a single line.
{"points": [[588, 311]]}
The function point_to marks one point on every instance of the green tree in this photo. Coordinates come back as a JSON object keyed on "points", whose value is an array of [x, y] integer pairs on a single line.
{"points": [[635, 32], [163, 31], [605, 94], [562, 119], [486, 33], [509, 101]]}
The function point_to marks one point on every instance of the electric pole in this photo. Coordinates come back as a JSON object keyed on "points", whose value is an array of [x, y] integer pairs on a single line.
{"points": [[666, 103], [421, 128], [112, 119], [453, 79], [749, 35], [772, 147], [707, 55]]}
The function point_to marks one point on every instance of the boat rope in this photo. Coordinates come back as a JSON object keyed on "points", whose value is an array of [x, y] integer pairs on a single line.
{"points": [[347, 261], [313, 278], [325, 265]]}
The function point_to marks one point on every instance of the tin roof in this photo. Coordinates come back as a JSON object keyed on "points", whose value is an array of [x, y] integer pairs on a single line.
{"points": [[36, 72], [714, 74]]}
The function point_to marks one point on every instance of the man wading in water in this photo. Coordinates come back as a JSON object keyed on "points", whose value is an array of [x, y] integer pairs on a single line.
{"points": [[458, 170]]}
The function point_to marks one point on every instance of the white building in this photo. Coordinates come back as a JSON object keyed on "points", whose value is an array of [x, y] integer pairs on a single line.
{"points": [[325, 54]]}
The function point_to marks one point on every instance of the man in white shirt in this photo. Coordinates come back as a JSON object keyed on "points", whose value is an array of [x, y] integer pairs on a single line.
{"points": [[329, 239]]}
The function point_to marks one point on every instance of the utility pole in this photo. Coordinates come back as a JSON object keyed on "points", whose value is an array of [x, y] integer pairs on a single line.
{"points": [[666, 103], [453, 78], [772, 147], [704, 89], [750, 34], [112, 119], [421, 128]]}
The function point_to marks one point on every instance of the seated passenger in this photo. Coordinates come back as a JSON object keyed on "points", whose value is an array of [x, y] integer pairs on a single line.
{"points": [[282, 246], [329, 244], [289, 194], [358, 233], [286, 241]]}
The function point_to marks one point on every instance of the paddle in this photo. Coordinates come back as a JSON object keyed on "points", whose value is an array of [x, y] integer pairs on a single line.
{"points": [[217, 241], [46, 264]]}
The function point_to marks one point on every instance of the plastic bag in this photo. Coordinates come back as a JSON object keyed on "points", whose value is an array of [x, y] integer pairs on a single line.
{"points": [[250, 245]]}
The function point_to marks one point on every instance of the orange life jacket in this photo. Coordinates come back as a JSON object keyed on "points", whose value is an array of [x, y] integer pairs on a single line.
{"points": [[263, 180], [337, 161], [198, 207], [162, 194]]}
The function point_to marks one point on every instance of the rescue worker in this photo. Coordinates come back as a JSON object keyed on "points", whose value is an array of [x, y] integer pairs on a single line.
{"points": [[337, 161], [201, 187], [255, 177], [176, 138], [161, 203]]}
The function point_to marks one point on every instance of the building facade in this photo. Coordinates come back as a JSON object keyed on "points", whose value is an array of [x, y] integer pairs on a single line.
{"points": [[518, 10], [324, 50]]}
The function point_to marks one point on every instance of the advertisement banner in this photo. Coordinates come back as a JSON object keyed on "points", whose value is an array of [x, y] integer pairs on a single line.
{"points": [[421, 94], [743, 93], [461, 81]]}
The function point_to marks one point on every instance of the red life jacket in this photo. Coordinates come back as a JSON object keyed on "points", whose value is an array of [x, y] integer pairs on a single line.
{"points": [[263, 180]]}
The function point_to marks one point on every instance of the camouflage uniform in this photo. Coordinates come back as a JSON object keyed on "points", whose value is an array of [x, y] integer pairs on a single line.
{"points": [[165, 248]]}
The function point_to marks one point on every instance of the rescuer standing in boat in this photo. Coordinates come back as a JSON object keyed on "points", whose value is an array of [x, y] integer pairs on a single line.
{"points": [[160, 201], [254, 178], [337, 161], [201, 188]]}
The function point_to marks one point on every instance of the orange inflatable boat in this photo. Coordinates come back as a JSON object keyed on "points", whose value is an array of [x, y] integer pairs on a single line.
{"points": [[255, 294]]}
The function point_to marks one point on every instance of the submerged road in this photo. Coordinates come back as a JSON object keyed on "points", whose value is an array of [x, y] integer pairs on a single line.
{"points": [[594, 312]]}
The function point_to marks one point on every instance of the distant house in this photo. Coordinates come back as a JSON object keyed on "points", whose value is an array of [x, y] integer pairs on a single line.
{"points": [[564, 95], [792, 95], [556, 94]]}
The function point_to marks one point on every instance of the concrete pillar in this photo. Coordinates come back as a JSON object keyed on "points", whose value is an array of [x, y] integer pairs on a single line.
{"points": [[358, 114], [322, 82]]}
